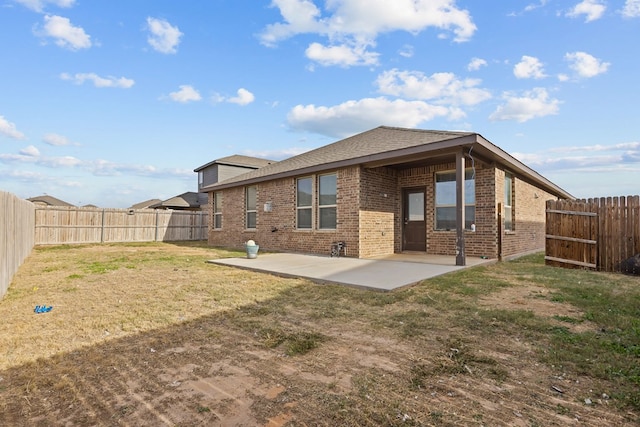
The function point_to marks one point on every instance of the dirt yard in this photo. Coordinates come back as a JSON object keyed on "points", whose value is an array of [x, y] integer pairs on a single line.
{"points": [[152, 335]]}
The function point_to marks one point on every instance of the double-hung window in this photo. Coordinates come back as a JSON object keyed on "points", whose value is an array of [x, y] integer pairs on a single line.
{"points": [[327, 201], [508, 202], [251, 212], [304, 203], [217, 210], [446, 200]]}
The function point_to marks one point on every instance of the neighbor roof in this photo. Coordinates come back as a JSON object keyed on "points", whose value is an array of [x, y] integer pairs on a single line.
{"points": [[238, 160], [384, 146], [145, 204], [184, 200], [49, 201]]}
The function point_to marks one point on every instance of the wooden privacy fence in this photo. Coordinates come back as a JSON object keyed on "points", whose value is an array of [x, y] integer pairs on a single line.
{"points": [[597, 234], [56, 225], [17, 221]]}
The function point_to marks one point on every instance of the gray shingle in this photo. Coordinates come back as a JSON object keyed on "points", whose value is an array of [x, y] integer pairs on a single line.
{"points": [[380, 140]]}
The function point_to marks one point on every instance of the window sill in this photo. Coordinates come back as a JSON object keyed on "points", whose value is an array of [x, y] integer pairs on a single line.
{"points": [[509, 232]]}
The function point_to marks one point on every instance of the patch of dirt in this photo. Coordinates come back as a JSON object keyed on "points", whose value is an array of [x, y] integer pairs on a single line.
{"points": [[538, 300]]}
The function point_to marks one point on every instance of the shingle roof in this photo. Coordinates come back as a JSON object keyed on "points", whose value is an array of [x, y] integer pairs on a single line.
{"points": [[238, 160], [380, 140], [184, 200], [49, 201], [387, 146], [145, 204]]}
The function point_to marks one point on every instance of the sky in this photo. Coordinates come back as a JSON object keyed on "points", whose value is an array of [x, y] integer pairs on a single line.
{"points": [[114, 102]]}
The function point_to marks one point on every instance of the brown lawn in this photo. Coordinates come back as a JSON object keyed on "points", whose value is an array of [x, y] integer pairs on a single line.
{"points": [[152, 335]]}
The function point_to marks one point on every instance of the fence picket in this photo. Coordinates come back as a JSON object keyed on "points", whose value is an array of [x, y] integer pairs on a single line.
{"points": [[57, 225], [594, 233]]}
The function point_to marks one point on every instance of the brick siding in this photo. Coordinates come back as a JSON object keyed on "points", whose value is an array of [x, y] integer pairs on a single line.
{"points": [[369, 214]]}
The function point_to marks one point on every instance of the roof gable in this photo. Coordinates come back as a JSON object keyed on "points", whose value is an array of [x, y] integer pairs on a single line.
{"points": [[351, 150], [238, 160]]}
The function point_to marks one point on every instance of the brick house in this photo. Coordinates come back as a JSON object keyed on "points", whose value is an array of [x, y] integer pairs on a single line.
{"points": [[385, 191]]}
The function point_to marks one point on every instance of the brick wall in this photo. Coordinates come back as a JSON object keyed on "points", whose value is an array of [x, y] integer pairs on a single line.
{"points": [[369, 214], [483, 241], [529, 202], [276, 230], [379, 211]]}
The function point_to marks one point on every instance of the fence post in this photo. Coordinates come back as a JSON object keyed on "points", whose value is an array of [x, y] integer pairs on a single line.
{"points": [[156, 238], [102, 228]]}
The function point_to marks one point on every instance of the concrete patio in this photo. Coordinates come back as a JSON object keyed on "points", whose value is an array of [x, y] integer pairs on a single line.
{"points": [[382, 274]]}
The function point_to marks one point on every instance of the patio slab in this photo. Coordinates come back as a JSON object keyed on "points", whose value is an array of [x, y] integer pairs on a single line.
{"points": [[386, 274]]}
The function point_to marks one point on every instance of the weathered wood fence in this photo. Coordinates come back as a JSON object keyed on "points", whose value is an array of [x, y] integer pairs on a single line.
{"points": [[596, 234], [17, 221], [56, 225]]}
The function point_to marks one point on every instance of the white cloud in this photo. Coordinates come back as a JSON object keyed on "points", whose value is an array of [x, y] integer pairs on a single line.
{"points": [[586, 65], [534, 6], [533, 104], [56, 140], [30, 151], [39, 5], [98, 81], [342, 55], [443, 88], [529, 67], [9, 129], [614, 157], [476, 63], [406, 51], [163, 37], [64, 33], [592, 9], [275, 154], [31, 155], [186, 94], [631, 9], [244, 97], [356, 24], [351, 117]]}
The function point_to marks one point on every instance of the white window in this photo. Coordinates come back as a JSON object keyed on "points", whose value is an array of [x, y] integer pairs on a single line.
{"points": [[508, 202], [251, 201], [446, 200], [327, 190], [304, 202], [217, 210]]}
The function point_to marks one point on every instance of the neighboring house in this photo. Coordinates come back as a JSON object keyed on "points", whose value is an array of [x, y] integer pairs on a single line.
{"points": [[186, 201], [227, 167], [46, 200], [146, 204], [385, 191]]}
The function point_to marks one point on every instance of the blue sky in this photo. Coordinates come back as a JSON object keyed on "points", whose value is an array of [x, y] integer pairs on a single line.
{"points": [[115, 102]]}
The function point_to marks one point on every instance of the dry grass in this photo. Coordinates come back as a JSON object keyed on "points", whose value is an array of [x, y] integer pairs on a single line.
{"points": [[150, 334]]}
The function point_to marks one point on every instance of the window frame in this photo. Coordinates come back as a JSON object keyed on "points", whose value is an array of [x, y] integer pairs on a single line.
{"points": [[248, 210], [200, 179], [305, 208], [469, 172], [217, 210], [509, 223], [325, 207]]}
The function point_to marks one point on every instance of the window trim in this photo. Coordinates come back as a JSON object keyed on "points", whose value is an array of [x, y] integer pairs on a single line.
{"points": [[250, 211], [333, 206], [509, 220], [304, 207], [468, 171], [217, 214]]}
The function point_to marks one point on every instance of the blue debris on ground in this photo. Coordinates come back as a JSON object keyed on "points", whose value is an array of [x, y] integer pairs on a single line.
{"points": [[42, 309]]}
